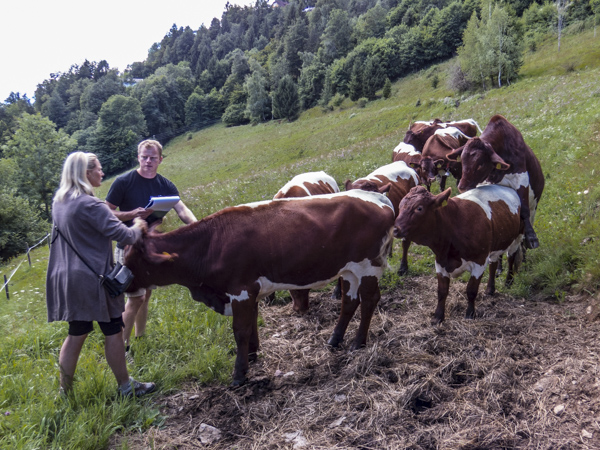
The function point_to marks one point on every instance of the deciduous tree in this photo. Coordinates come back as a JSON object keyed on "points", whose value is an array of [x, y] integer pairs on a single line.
{"points": [[121, 126], [39, 151]]}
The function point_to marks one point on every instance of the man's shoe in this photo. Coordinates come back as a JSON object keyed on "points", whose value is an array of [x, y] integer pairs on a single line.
{"points": [[137, 388]]}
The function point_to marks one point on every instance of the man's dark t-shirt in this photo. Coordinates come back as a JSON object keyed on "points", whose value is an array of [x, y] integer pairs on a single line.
{"points": [[131, 191]]}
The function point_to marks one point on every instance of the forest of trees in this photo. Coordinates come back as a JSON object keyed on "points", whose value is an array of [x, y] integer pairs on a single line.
{"points": [[254, 64]]}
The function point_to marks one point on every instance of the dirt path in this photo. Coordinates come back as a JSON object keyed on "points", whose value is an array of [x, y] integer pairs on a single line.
{"points": [[523, 374]]}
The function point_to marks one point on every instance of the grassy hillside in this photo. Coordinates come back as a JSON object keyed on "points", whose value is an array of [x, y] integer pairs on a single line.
{"points": [[555, 104]]}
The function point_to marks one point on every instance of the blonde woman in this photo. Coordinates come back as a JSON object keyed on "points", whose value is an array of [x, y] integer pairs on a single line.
{"points": [[73, 291]]}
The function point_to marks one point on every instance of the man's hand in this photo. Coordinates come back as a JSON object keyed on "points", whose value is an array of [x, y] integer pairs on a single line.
{"points": [[142, 213]]}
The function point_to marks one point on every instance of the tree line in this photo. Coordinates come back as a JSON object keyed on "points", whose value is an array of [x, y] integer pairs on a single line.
{"points": [[254, 64]]}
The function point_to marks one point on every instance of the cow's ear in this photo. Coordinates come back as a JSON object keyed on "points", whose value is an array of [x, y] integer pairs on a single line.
{"points": [[441, 200], [385, 188], [499, 163], [348, 185], [159, 258], [454, 155], [154, 226]]}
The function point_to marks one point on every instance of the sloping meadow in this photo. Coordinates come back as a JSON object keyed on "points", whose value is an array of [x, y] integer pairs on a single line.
{"points": [[496, 382]]}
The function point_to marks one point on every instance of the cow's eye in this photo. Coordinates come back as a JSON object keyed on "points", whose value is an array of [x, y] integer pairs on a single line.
{"points": [[419, 208]]}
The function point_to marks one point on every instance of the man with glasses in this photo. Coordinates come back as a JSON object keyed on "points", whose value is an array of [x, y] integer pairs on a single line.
{"points": [[130, 193]]}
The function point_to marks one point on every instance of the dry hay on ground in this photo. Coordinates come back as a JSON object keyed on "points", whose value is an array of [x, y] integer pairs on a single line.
{"points": [[499, 381]]}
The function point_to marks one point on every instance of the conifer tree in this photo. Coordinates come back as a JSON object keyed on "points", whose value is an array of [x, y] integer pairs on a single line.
{"points": [[387, 88], [286, 102]]}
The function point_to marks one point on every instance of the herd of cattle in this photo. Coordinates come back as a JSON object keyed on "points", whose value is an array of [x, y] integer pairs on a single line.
{"points": [[311, 234]]}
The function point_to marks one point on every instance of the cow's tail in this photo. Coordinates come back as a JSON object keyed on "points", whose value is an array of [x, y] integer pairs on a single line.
{"points": [[385, 249]]}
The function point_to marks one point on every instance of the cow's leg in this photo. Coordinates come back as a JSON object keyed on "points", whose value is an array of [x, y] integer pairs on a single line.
{"points": [[531, 239], [245, 333], [253, 343], [349, 306], [369, 297], [491, 286], [442, 292], [300, 300], [442, 182], [472, 289], [513, 265], [337, 292], [403, 270], [499, 269]]}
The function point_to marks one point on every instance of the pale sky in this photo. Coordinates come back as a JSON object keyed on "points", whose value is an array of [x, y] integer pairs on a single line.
{"points": [[40, 37]]}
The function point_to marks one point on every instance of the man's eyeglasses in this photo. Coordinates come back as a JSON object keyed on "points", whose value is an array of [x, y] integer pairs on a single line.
{"points": [[151, 158]]}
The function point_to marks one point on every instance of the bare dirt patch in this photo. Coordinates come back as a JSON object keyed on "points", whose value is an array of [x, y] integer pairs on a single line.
{"points": [[522, 374]]}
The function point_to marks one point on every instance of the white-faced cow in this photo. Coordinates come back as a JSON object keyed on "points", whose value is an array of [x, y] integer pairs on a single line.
{"points": [[501, 156], [397, 179], [304, 185], [466, 233], [239, 255]]}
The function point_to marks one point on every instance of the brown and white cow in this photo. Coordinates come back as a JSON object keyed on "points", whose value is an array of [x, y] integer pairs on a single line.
{"points": [[466, 233], [239, 255], [397, 179], [434, 162], [304, 185], [309, 183], [501, 156], [410, 155], [420, 132]]}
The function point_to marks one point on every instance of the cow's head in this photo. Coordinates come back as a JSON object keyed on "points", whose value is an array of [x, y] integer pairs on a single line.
{"points": [[415, 209], [478, 160], [144, 260], [430, 168], [367, 185]]}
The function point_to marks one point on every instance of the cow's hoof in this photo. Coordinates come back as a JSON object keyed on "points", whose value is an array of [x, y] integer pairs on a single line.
{"points": [[490, 291], [402, 271], [252, 357], [470, 315], [356, 346], [334, 342], [436, 321], [531, 242], [238, 383]]}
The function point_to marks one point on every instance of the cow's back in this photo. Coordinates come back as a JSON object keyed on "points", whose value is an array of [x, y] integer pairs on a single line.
{"points": [[310, 183], [301, 241], [401, 177]]}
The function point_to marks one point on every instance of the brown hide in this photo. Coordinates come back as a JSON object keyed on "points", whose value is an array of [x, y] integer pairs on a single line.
{"points": [[319, 188], [457, 231], [397, 187], [434, 159], [497, 154], [236, 256], [419, 133], [307, 184]]}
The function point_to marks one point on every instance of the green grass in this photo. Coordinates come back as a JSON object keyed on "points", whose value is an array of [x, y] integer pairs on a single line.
{"points": [[555, 104]]}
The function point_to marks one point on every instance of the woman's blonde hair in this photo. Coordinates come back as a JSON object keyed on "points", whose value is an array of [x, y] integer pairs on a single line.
{"points": [[74, 181]]}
